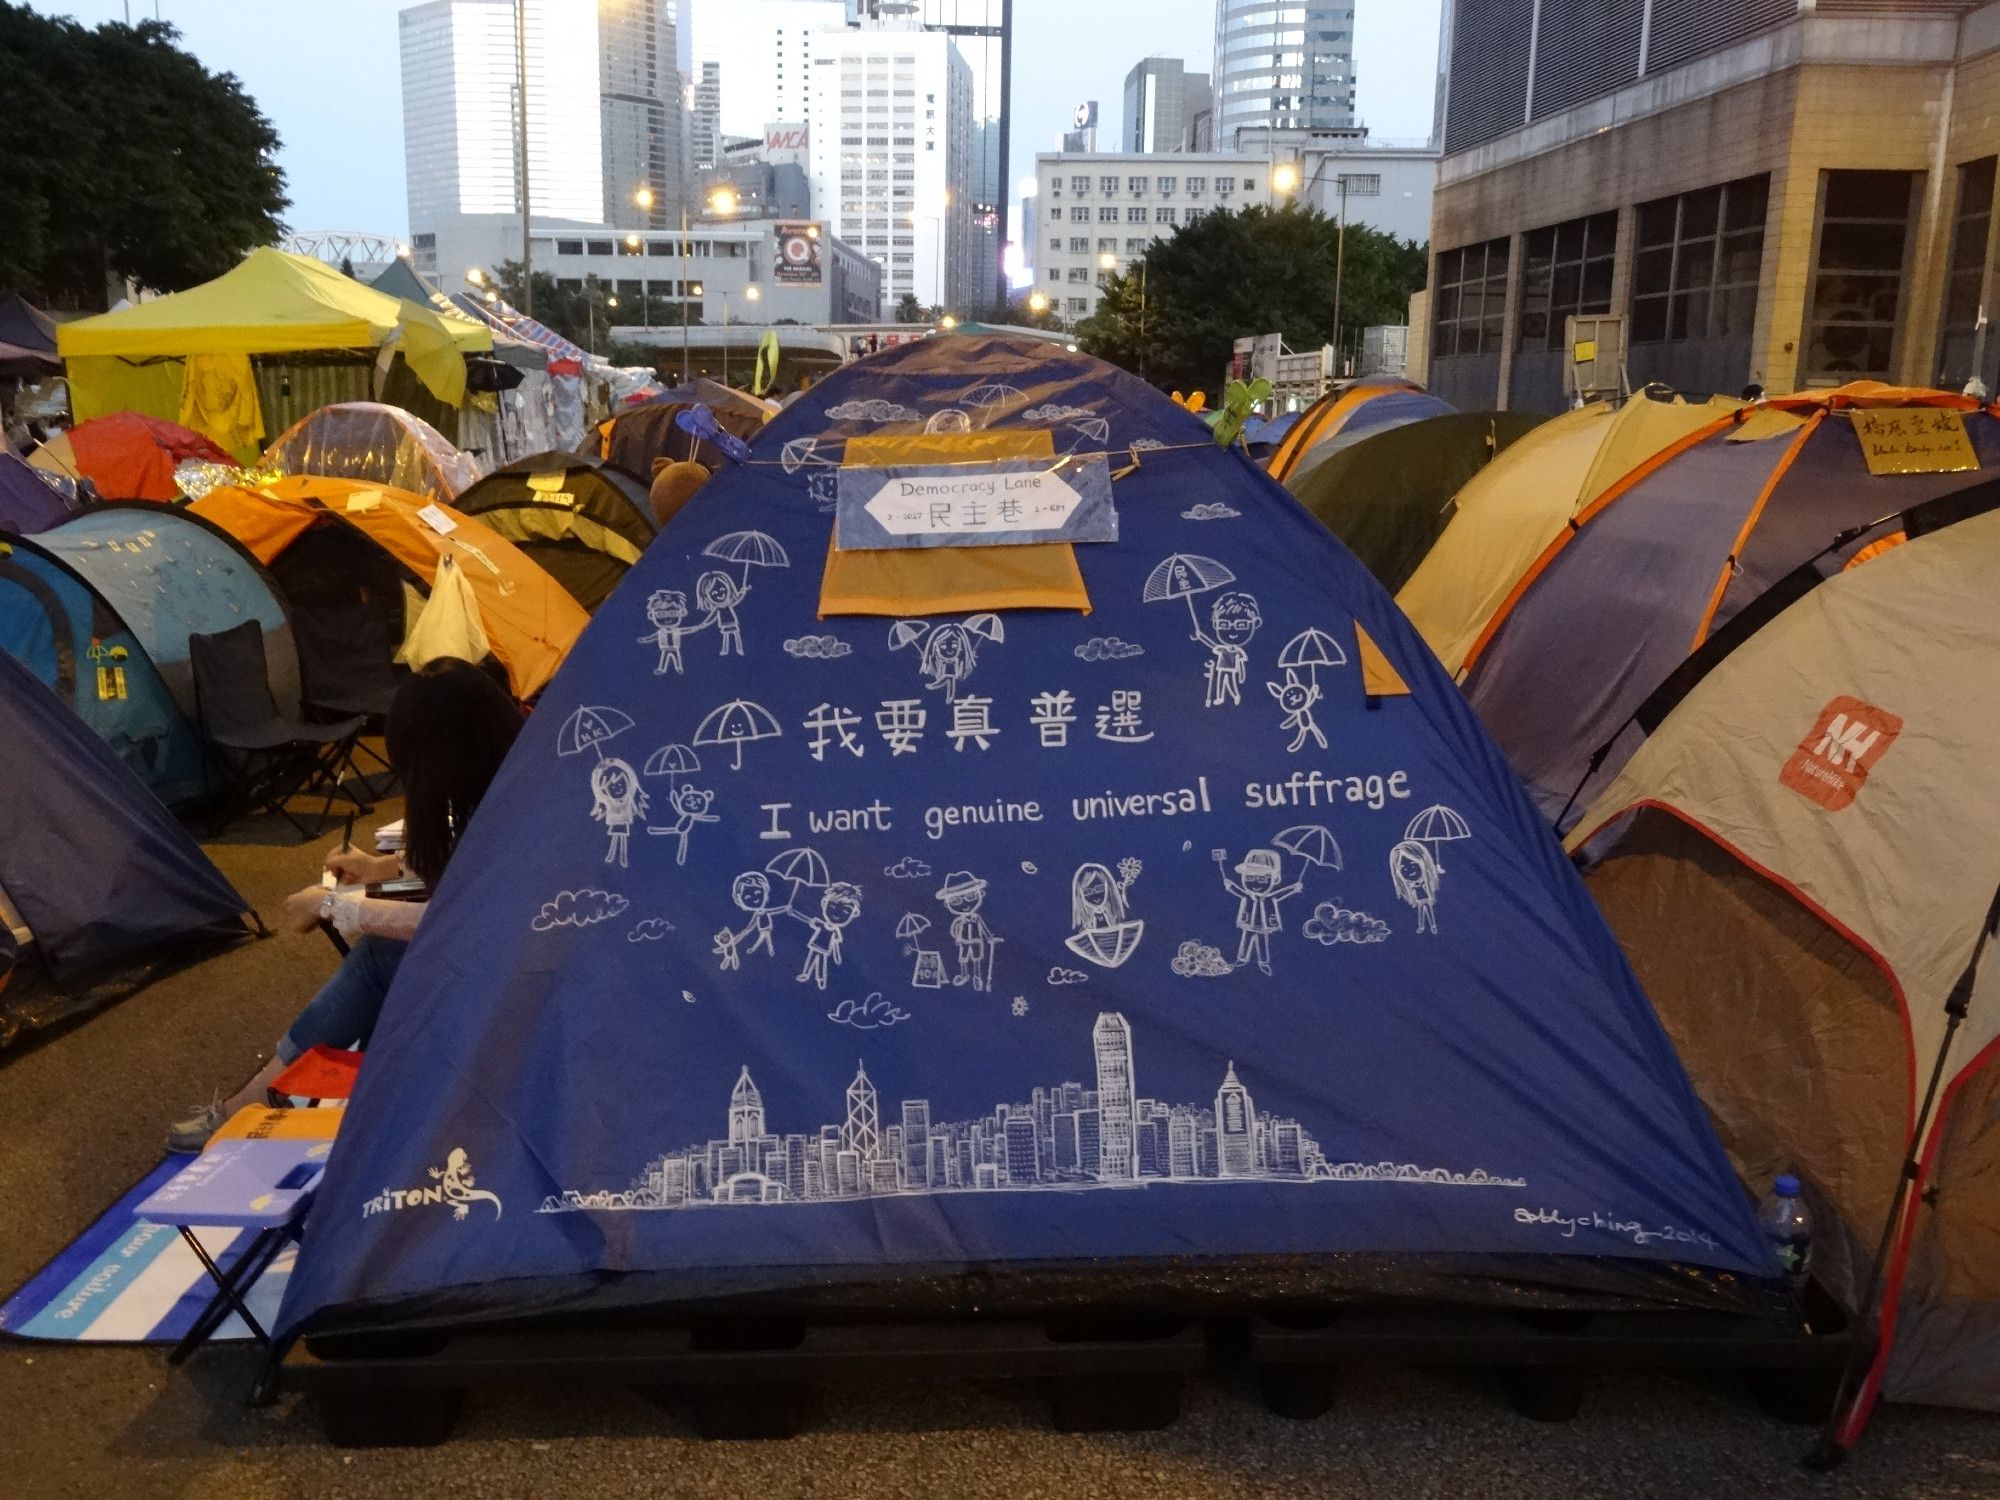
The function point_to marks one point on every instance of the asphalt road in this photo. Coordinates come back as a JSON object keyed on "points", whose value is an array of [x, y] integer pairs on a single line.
{"points": [[81, 1116]]}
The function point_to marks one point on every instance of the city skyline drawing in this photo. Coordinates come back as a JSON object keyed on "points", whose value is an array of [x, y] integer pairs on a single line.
{"points": [[1063, 1138]]}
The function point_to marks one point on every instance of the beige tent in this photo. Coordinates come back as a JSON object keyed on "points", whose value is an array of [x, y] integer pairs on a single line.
{"points": [[1799, 863], [1521, 501]]}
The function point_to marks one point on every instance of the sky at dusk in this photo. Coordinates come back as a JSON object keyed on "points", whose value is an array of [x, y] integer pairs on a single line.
{"points": [[327, 74]]}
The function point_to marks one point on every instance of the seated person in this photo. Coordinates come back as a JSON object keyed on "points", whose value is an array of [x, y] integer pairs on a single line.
{"points": [[448, 729]]}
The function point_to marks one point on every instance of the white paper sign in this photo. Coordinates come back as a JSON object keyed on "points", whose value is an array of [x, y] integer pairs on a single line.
{"points": [[435, 518]]}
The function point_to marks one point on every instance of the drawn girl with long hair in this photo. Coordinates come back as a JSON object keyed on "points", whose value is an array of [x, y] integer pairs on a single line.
{"points": [[1414, 870]]}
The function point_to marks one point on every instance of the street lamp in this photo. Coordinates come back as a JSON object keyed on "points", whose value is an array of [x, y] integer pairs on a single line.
{"points": [[643, 197], [1284, 178], [947, 322]]}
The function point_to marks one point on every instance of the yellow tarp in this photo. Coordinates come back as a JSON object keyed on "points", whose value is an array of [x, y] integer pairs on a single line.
{"points": [[1513, 508], [950, 580]]}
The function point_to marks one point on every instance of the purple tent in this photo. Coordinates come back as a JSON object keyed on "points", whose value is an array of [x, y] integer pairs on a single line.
{"points": [[28, 503], [27, 340]]}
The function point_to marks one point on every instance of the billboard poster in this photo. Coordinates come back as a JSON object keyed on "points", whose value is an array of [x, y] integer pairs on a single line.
{"points": [[795, 261]]}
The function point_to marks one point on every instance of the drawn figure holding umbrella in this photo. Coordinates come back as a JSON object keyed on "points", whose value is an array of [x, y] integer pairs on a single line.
{"points": [[690, 804], [1414, 866], [616, 798], [751, 891], [1306, 652], [950, 651], [839, 904], [1182, 575], [719, 594]]}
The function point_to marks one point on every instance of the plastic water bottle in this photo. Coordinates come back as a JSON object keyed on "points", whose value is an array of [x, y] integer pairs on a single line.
{"points": [[1784, 1217]]}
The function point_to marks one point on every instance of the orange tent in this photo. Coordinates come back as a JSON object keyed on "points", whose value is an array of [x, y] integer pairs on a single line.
{"points": [[126, 455], [529, 619]]}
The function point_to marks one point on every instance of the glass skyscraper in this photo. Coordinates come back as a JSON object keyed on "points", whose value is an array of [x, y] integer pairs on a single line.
{"points": [[1288, 66]]}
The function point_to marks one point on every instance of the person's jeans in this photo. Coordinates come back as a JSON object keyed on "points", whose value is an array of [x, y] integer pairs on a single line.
{"points": [[344, 1012]]}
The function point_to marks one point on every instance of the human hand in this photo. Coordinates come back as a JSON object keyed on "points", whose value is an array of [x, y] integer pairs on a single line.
{"points": [[354, 867], [302, 909]]}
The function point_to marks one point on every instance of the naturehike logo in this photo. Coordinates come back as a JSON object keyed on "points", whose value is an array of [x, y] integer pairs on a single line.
{"points": [[454, 1186], [1833, 761]]}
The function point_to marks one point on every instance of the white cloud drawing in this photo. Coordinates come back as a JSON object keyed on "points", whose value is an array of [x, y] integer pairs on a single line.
{"points": [[1061, 975], [1332, 924], [817, 647], [1196, 960], [1055, 411], [908, 868], [876, 410], [651, 930], [867, 1015], [1210, 511], [1108, 648], [579, 909]]}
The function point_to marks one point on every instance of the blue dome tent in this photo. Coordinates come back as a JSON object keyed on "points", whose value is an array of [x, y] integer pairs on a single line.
{"points": [[796, 950], [100, 873], [28, 502], [57, 626], [170, 574]]}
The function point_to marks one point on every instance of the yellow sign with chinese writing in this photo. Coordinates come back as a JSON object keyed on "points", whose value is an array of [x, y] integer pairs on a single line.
{"points": [[1914, 440]]}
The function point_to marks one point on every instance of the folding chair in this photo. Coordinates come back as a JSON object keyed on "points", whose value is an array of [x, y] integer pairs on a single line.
{"points": [[270, 756], [347, 666]]}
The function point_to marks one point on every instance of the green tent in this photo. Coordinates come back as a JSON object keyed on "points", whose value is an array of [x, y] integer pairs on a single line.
{"points": [[583, 521], [1389, 496]]}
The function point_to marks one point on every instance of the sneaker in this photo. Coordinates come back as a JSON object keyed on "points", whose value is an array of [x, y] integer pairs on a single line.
{"points": [[191, 1134]]}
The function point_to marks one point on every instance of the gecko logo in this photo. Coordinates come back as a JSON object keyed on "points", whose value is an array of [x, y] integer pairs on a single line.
{"points": [[452, 1184], [1845, 743]]}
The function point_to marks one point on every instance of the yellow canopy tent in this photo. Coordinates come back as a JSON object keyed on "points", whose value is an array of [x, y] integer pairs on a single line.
{"points": [[273, 303]]}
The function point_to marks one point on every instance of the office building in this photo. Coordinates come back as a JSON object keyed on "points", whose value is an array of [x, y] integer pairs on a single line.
{"points": [[1387, 184], [761, 52], [640, 100], [892, 137], [1284, 67], [1096, 213], [1767, 191], [459, 127], [704, 117], [1162, 102]]}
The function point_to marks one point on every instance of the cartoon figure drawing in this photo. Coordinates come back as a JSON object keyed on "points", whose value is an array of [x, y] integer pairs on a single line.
{"points": [[690, 805], [1232, 622], [719, 594], [1297, 698], [617, 801], [1182, 575], [839, 904], [1416, 875], [667, 612], [962, 894], [950, 651], [1104, 934], [1259, 892], [751, 891]]}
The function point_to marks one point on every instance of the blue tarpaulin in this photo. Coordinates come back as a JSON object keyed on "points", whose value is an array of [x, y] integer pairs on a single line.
{"points": [[98, 869], [787, 946]]}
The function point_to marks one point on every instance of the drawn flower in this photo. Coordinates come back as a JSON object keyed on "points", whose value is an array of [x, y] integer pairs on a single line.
{"points": [[1196, 960], [1020, 1005]]}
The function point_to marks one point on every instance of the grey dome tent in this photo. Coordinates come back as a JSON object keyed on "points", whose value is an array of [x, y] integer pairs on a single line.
{"points": [[584, 521]]}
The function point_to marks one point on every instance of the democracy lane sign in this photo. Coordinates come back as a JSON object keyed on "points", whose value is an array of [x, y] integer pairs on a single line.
{"points": [[1004, 503]]}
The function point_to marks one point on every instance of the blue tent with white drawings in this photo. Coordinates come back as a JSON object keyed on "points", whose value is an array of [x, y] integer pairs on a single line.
{"points": [[810, 938]]}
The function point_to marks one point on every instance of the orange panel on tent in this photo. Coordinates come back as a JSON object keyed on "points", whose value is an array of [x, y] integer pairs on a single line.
{"points": [[126, 455]]}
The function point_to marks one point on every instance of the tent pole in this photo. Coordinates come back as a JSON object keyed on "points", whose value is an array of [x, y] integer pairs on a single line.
{"points": [[1829, 1452]]}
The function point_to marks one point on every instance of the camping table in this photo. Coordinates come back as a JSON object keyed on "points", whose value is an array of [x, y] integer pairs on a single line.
{"points": [[262, 1185]]}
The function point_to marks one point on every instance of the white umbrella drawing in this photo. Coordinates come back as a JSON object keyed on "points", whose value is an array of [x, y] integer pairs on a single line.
{"points": [[671, 761], [913, 926], [1182, 576], [1311, 843], [748, 549], [588, 727], [1312, 649], [907, 633], [987, 627], [1437, 824], [803, 868], [738, 722]]}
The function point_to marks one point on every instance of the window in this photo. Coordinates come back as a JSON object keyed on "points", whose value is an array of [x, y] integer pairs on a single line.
{"points": [[1079, 273], [1857, 280], [661, 247], [569, 247], [1056, 244], [1136, 214], [1107, 216], [1055, 273], [1163, 216], [1079, 304], [1694, 272], [1135, 185], [1079, 215], [1078, 245], [600, 247], [1135, 247], [1166, 187], [1965, 281], [1470, 300], [1224, 186], [1108, 244], [1196, 186], [1565, 269], [1080, 186], [1108, 186], [1055, 187], [632, 247]]}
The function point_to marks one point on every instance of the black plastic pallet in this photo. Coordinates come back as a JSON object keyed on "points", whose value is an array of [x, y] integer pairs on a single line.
{"points": [[749, 1385]]}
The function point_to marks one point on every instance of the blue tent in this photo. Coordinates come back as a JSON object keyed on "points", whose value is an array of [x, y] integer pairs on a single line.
{"points": [[56, 625], [790, 950], [28, 502], [170, 574], [98, 869]]}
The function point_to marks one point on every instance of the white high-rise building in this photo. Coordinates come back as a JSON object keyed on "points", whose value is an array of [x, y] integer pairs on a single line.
{"points": [[640, 99], [1235, 1128], [762, 51], [892, 137], [1287, 67], [1111, 1039], [459, 128]]}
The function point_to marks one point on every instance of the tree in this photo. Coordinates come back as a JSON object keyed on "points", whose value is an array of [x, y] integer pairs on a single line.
{"points": [[910, 310], [125, 158], [1175, 314]]}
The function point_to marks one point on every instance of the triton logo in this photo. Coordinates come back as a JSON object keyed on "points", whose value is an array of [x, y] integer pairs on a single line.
{"points": [[1846, 742], [454, 1186]]}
